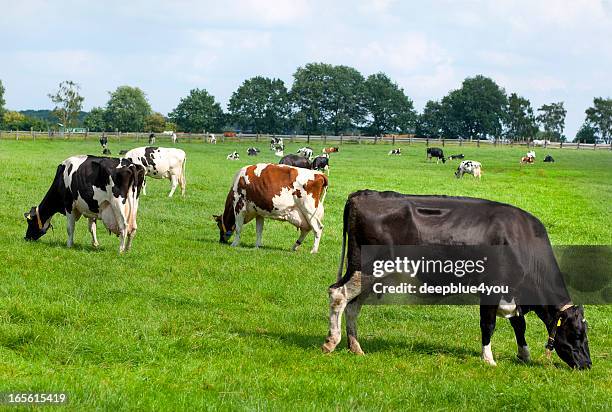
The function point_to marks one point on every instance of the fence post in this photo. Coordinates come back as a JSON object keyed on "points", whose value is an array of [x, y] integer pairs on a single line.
{"points": [[478, 142], [325, 139], [442, 142], [578, 145], [341, 135], [561, 144], [308, 138], [394, 140], [595, 145], [427, 142]]}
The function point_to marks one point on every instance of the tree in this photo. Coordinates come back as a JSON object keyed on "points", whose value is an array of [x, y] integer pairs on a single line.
{"points": [[327, 98], [68, 102], [155, 122], [127, 109], [552, 118], [586, 134], [477, 108], [519, 120], [260, 104], [198, 112], [2, 101], [431, 121], [600, 117], [388, 108], [95, 120]]}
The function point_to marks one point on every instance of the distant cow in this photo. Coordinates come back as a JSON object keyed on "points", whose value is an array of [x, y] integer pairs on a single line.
{"points": [[151, 139], [277, 144], [306, 152], [296, 161], [527, 160], [94, 187], [173, 137], [277, 192], [321, 163], [162, 163], [397, 151], [537, 142], [437, 153], [390, 218], [531, 153], [106, 152], [330, 149], [470, 167], [252, 151], [233, 156], [457, 156], [104, 143], [212, 139], [549, 159]]}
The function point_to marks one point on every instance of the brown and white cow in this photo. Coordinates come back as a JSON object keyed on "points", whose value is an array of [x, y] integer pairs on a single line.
{"points": [[277, 192]]}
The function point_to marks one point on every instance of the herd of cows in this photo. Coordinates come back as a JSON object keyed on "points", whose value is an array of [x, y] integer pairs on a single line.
{"points": [[109, 189]]}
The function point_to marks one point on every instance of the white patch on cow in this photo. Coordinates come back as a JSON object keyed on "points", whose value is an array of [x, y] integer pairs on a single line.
{"points": [[76, 162], [259, 169], [487, 355], [507, 309], [169, 164]]}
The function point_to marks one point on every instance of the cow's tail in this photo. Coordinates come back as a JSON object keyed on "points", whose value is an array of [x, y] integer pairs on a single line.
{"points": [[183, 181], [344, 232]]}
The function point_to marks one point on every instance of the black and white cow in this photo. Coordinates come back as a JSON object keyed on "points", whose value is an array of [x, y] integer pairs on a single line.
{"points": [[162, 163], [549, 159], [296, 161], [94, 187], [321, 163], [470, 167], [233, 156], [104, 142], [252, 151], [397, 152], [457, 156], [306, 152], [151, 139], [276, 144], [390, 218], [437, 153]]}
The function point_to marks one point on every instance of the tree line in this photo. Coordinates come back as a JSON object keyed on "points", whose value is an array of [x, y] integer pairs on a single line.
{"points": [[328, 99]]}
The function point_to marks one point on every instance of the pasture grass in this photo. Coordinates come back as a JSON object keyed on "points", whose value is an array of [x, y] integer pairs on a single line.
{"points": [[182, 322]]}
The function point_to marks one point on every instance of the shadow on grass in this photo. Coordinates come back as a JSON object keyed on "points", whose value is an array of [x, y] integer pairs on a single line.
{"points": [[246, 245]]}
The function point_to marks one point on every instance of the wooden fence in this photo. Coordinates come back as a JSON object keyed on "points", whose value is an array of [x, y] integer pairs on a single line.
{"points": [[293, 138]]}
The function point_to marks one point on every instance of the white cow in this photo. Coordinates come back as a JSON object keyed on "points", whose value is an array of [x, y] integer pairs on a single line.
{"points": [[162, 163], [471, 167], [531, 154], [212, 139], [173, 137]]}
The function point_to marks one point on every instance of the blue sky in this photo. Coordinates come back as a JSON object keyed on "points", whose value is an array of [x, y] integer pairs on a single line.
{"points": [[544, 50]]}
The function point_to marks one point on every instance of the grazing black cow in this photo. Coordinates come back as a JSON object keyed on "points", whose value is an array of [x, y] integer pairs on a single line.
{"points": [[97, 188], [549, 159], [296, 160], [437, 153], [252, 151], [390, 218], [457, 156], [321, 163]]}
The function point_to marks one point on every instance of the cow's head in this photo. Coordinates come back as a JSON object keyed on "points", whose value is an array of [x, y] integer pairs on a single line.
{"points": [[457, 172], [224, 233], [36, 227], [571, 342]]}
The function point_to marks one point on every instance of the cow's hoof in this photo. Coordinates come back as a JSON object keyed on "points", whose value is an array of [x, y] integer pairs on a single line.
{"points": [[328, 346], [523, 354], [355, 347], [313, 251], [489, 361]]}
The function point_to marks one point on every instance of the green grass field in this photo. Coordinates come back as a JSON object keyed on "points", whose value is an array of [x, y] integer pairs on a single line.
{"points": [[183, 322]]}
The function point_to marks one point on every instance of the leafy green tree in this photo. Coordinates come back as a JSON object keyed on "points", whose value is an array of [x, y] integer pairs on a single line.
{"points": [[430, 122], [155, 122], [478, 107], [18, 121], [600, 117], [261, 105], [127, 109], [519, 120], [327, 98], [388, 108], [198, 112], [68, 102], [95, 120], [2, 101], [552, 118], [586, 134]]}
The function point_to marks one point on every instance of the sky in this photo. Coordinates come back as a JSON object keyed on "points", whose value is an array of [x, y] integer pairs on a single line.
{"points": [[544, 50]]}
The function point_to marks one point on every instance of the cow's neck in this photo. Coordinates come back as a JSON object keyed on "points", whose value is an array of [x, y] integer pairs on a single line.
{"points": [[229, 218], [50, 205]]}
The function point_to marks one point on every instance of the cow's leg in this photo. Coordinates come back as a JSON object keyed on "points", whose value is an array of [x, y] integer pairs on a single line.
{"points": [[92, 230], [317, 228], [174, 180], [352, 312], [238, 230], [303, 233], [519, 326], [338, 299], [183, 180], [144, 186], [71, 219], [487, 326], [259, 224]]}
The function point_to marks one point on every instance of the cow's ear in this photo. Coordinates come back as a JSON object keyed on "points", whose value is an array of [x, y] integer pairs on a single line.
{"points": [[216, 217], [27, 216]]}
